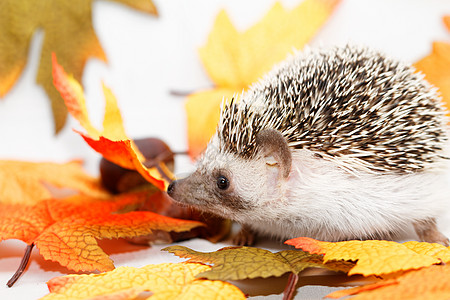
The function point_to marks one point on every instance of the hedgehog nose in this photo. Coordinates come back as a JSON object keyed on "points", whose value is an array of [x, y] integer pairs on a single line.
{"points": [[171, 187]]}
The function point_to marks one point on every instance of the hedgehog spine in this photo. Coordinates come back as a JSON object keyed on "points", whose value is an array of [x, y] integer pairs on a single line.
{"points": [[334, 102]]}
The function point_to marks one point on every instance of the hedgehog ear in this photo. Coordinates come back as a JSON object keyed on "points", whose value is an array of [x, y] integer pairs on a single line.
{"points": [[274, 147]]}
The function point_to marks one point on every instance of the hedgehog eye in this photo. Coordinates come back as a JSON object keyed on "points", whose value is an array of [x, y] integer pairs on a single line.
{"points": [[222, 182]]}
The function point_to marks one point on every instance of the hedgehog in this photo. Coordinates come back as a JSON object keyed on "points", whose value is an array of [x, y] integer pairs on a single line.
{"points": [[334, 144]]}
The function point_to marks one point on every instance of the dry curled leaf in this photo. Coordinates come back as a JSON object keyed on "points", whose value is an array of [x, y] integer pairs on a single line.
{"points": [[112, 142], [431, 283], [24, 182], [234, 59], [68, 32], [66, 230], [164, 281], [374, 257]]}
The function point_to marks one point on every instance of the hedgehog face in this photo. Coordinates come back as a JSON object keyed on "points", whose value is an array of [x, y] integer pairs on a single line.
{"points": [[232, 186]]}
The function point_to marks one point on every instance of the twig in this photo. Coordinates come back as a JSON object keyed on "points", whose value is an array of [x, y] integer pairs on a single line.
{"points": [[185, 152], [178, 93], [23, 265], [163, 173]]}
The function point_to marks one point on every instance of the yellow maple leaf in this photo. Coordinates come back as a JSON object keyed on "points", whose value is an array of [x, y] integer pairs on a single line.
{"points": [[68, 32], [165, 281], [436, 67], [234, 59], [431, 283], [376, 257], [430, 249], [24, 182]]}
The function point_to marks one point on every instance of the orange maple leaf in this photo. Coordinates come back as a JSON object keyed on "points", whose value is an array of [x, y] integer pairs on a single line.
{"points": [[24, 182], [112, 142], [436, 66], [66, 230], [376, 257], [431, 283]]}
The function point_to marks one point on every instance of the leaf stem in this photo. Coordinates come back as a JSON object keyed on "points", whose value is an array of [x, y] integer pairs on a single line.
{"points": [[163, 173], [153, 162], [179, 93], [185, 152], [290, 286], [23, 265], [157, 161]]}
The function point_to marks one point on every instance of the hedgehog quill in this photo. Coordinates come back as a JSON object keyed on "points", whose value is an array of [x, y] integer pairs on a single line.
{"points": [[334, 144]]}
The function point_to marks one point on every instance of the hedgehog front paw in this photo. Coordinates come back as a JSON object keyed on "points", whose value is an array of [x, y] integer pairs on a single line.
{"points": [[245, 237], [428, 232]]}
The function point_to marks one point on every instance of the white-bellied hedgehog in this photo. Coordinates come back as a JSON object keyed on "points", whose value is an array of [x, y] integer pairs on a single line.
{"points": [[334, 144]]}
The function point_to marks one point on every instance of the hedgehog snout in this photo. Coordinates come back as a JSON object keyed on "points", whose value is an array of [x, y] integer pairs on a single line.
{"points": [[171, 187]]}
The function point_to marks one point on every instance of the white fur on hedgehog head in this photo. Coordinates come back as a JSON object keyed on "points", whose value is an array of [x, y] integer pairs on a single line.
{"points": [[231, 185]]}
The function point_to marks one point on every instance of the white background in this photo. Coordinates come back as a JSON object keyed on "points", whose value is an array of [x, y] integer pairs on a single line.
{"points": [[148, 57]]}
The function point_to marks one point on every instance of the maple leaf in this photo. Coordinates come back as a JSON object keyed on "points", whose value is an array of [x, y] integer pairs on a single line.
{"points": [[68, 33], [66, 230], [234, 60], [23, 182], [436, 68], [431, 283], [112, 142], [237, 263], [376, 257], [164, 281]]}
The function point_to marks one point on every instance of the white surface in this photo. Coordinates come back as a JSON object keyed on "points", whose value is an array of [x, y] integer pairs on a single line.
{"points": [[150, 56]]}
